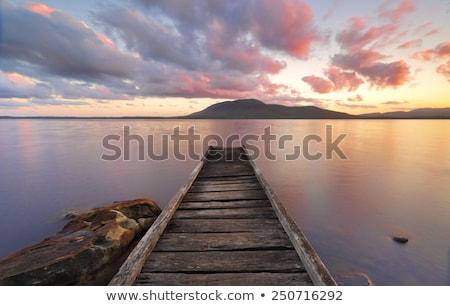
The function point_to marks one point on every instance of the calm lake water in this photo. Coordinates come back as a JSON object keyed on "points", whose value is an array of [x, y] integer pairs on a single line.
{"points": [[394, 180]]}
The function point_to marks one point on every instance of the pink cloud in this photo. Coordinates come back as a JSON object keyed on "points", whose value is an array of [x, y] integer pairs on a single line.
{"points": [[318, 84], [422, 28], [442, 50], [439, 52], [342, 79], [385, 75], [357, 98], [444, 69], [272, 89], [432, 32], [85, 25], [361, 58], [223, 86], [106, 40], [357, 36], [406, 7], [426, 55], [40, 9], [366, 64], [410, 44], [285, 26], [19, 79], [17, 85]]}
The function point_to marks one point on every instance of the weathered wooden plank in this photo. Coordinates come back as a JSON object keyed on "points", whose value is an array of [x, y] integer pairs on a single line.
{"points": [[225, 181], [236, 161], [222, 241], [234, 261], [224, 279], [226, 196], [237, 213], [222, 225], [229, 169], [225, 204], [220, 174], [225, 187]]}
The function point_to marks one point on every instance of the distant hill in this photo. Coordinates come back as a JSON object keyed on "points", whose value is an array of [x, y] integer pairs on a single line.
{"points": [[420, 113], [255, 109]]}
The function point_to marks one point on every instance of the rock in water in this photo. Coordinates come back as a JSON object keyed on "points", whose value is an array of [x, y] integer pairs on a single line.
{"points": [[354, 279], [401, 240], [85, 246]]}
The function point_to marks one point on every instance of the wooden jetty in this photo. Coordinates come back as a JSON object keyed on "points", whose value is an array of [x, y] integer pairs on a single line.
{"points": [[224, 227]]}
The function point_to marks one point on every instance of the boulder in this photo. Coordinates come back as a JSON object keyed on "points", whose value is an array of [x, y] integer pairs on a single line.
{"points": [[88, 244]]}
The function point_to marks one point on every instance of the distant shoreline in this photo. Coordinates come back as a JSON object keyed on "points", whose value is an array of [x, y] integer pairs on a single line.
{"points": [[253, 109], [356, 117]]}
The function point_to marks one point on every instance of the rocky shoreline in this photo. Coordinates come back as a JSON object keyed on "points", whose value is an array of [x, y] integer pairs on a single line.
{"points": [[87, 251]]}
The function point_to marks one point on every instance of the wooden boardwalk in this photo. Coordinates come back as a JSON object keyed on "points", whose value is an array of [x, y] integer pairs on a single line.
{"points": [[224, 227]]}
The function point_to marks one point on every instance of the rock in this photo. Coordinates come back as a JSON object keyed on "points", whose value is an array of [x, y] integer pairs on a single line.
{"points": [[400, 239], [71, 214], [87, 245], [354, 279]]}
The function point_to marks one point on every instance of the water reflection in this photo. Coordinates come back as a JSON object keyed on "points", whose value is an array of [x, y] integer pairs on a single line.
{"points": [[395, 181]]}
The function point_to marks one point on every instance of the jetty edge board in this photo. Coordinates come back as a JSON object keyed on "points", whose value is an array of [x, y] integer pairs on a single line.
{"points": [[230, 210]]}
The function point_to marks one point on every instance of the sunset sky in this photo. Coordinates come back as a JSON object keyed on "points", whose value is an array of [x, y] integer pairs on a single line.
{"points": [[173, 57]]}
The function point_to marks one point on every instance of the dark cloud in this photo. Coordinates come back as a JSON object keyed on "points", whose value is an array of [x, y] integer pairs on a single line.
{"points": [[349, 105], [11, 104], [148, 37], [286, 26], [58, 44], [214, 49], [394, 103], [213, 35], [15, 85], [111, 90], [49, 102]]}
